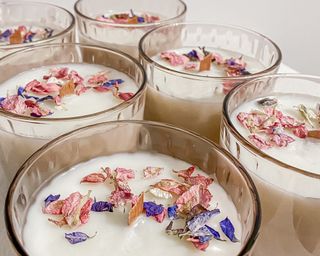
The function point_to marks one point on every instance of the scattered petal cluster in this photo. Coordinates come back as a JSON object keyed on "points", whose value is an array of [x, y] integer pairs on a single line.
{"points": [[129, 18], [37, 96], [24, 34]]}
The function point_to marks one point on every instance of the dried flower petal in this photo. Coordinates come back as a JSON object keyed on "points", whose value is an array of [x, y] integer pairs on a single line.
{"points": [[205, 63], [77, 237], [173, 58], [150, 172], [172, 212], [152, 209], [136, 210], [308, 114], [123, 174], [160, 193], [281, 140], [67, 89], [259, 142], [171, 231], [200, 220], [54, 208], [101, 206], [125, 95], [51, 198], [214, 233], [314, 134], [172, 186], [228, 229], [95, 178]]}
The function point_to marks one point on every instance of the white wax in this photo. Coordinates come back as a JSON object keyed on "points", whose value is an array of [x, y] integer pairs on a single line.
{"points": [[73, 105], [114, 236], [303, 150]]}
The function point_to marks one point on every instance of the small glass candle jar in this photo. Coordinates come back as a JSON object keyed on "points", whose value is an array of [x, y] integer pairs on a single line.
{"points": [[129, 144], [280, 148], [181, 94], [121, 24], [24, 24]]}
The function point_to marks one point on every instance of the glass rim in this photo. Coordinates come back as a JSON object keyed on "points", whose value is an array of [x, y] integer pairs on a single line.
{"points": [[158, 23], [33, 158], [43, 41], [163, 68], [122, 105], [227, 121]]}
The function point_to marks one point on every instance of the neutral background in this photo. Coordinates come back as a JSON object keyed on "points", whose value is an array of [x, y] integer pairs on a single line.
{"points": [[293, 24]]}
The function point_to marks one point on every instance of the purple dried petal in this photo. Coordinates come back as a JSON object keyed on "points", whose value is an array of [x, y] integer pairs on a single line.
{"points": [[214, 233], [201, 219], [50, 199], [101, 206], [140, 19], [228, 229], [152, 209], [76, 237], [20, 91], [6, 33], [172, 212]]}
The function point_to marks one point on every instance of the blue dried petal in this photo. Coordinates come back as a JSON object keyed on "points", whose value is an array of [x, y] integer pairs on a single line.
{"points": [[193, 55], [76, 237], [152, 209], [172, 212], [140, 20], [214, 233], [30, 37], [201, 219], [2, 99], [112, 82], [228, 229], [20, 91], [6, 33], [49, 97], [50, 199], [101, 206]]}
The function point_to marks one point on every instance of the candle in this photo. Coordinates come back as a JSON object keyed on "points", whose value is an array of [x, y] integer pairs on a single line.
{"points": [[122, 26], [288, 180], [127, 202], [50, 90], [195, 66], [145, 234], [29, 24]]}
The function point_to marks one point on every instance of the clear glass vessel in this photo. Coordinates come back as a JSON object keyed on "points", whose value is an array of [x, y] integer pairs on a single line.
{"points": [[290, 196], [21, 135], [124, 37], [194, 100], [33, 14], [131, 136]]}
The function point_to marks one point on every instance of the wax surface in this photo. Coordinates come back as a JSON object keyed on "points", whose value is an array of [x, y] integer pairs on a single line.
{"points": [[302, 153], [73, 105], [114, 236]]}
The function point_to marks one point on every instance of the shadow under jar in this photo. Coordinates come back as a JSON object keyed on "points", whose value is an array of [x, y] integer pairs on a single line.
{"points": [[280, 149], [188, 97], [21, 135], [24, 24], [102, 22], [132, 145]]}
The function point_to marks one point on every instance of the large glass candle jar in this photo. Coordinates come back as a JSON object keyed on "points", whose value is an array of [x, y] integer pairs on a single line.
{"points": [[147, 189], [271, 125], [121, 24], [24, 24], [49, 90], [191, 67]]}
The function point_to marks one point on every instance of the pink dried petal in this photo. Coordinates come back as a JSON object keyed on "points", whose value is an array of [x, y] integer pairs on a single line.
{"points": [[205, 197], [94, 178], [98, 79], [191, 66], [38, 111], [150, 172], [259, 142], [85, 211], [120, 197], [80, 89], [58, 73], [171, 186], [160, 217], [201, 246], [54, 208], [70, 209], [57, 100], [186, 173], [199, 180], [42, 88], [174, 58], [281, 140], [217, 58], [14, 104], [125, 95], [59, 223], [189, 199], [123, 174], [75, 77], [300, 131]]}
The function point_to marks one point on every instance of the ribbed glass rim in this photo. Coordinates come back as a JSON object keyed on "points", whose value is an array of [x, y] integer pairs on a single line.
{"points": [[33, 158], [141, 86], [163, 68], [142, 25], [227, 121], [43, 41]]}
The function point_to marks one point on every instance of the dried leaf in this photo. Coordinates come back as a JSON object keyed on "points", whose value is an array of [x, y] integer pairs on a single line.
{"points": [[67, 89], [16, 37], [205, 63], [136, 210], [314, 134]]}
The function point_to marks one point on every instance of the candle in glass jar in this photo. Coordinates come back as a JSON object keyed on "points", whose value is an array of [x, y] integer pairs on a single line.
{"points": [[286, 128], [145, 236]]}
